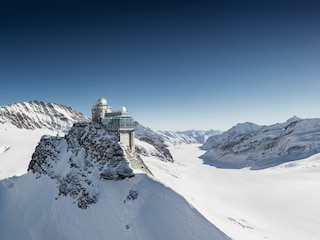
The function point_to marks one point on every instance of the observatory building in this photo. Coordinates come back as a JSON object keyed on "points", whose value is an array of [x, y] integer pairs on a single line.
{"points": [[119, 122]]}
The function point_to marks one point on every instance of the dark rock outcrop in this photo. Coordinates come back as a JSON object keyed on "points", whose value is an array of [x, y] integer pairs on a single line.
{"points": [[78, 161]]}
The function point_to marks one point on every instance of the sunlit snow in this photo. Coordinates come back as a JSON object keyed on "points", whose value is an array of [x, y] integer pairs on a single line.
{"points": [[276, 203]]}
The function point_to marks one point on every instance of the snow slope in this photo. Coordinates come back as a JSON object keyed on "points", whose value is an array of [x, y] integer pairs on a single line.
{"points": [[16, 148], [276, 203], [81, 186], [257, 147], [29, 211]]}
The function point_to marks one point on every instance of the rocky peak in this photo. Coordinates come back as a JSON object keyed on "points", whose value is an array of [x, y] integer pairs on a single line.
{"points": [[80, 160], [293, 119], [244, 128]]}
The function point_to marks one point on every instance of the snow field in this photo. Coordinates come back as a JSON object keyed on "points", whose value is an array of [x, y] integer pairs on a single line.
{"points": [[277, 203]]}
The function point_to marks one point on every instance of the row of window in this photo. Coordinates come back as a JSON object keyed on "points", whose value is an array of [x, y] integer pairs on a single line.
{"points": [[118, 123]]}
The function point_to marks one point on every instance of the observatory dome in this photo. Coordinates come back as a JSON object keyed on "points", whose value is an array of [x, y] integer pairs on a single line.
{"points": [[102, 101]]}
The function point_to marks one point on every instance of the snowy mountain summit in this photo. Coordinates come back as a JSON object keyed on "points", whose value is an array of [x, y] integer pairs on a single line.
{"points": [[38, 114], [254, 146]]}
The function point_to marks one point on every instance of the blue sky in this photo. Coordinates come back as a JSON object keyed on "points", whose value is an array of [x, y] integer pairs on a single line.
{"points": [[175, 65]]}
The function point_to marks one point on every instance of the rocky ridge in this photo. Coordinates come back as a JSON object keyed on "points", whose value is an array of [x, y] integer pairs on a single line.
{"points": [[38, 114]]}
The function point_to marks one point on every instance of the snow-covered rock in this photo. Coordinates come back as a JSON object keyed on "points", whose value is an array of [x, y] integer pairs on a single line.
{"points": [[38, 114], [292, 119], [147, 135], [85, 154], [250, 145]]}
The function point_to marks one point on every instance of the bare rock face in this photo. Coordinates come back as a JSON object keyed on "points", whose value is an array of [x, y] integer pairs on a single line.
{"points": [[80, 160], [38, 114]]}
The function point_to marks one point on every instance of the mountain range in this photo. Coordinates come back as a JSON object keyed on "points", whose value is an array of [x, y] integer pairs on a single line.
{"points": [[200, 136], [250, 145]]}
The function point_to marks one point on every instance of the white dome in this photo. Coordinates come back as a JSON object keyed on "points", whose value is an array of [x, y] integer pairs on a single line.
{"points": [[102, 101], [124, 109]]}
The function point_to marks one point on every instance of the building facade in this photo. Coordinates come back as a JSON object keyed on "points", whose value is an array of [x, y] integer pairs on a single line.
{"points": [[118, 122]]}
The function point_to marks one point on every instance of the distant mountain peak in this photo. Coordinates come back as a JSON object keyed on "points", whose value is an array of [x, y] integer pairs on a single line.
{"points": [[245, 127], [293, 119], [200, 135], [38, 114]]}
